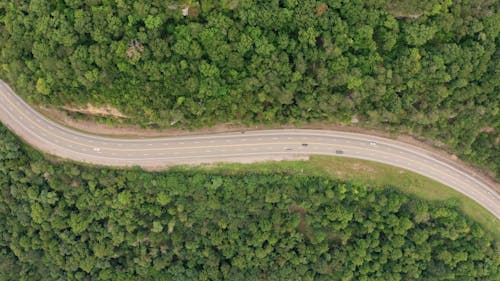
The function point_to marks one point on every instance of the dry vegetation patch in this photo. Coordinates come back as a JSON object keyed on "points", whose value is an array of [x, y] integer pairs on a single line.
{"points": [[321, 9], [89, 109]]}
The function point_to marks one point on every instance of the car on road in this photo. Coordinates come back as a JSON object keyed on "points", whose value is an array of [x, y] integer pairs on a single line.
{"points": [[372, 143], [339, 152]]}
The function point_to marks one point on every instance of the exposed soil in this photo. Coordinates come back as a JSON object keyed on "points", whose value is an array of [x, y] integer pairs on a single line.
{"points": [[487, 129], [89, 109], [410, 16]]}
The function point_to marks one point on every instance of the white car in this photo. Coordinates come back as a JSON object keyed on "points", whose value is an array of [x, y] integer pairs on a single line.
{"points": [[373, 143]]}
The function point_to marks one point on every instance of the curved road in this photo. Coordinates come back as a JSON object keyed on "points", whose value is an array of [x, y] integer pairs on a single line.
{"points": [[53, 138]]}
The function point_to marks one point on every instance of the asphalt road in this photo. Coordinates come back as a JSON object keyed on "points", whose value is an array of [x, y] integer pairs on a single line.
{"points": [[58, 140]]}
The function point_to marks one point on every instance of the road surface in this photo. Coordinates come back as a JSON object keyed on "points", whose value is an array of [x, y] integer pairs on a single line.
{"points": [[61, 141]]}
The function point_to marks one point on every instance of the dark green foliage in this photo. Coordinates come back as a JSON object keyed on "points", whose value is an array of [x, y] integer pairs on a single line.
{"points": [[426, 67], [69, 222]]}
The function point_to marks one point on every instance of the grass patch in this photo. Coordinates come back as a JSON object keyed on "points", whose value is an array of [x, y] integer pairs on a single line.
{"points": [[374, 175]]}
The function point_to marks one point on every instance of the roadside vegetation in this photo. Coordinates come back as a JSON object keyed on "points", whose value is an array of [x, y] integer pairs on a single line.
{"points": [[425, 67], [72, 222], [371, 174]]}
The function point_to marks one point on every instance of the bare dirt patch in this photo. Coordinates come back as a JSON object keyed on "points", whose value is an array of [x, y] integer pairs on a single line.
{"points": [[411, 16], [487, 129], [89, 109]]}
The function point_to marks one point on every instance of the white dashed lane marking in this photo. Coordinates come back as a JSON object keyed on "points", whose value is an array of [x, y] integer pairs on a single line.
{"points": [[251, 143]]}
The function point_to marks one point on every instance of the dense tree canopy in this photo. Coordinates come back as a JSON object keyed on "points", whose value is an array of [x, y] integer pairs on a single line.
{"points": [[69, 222], [421, 66]]}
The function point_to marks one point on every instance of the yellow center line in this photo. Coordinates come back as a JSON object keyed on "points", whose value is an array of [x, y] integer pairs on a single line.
{"points": [[418, 163], [165, 148]]}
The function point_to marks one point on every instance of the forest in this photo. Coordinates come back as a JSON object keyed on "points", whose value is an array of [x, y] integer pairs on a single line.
{"points": [[425, 67], [63, 221]]}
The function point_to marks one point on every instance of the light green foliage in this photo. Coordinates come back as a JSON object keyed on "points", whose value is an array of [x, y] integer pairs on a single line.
{"points": [[124, 198], [152, 22], [157, 227], [41, 86], [163, 199], [418, 35]]}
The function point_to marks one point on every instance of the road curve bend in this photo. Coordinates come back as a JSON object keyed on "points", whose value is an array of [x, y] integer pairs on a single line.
{"points": [[61, 141]]}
